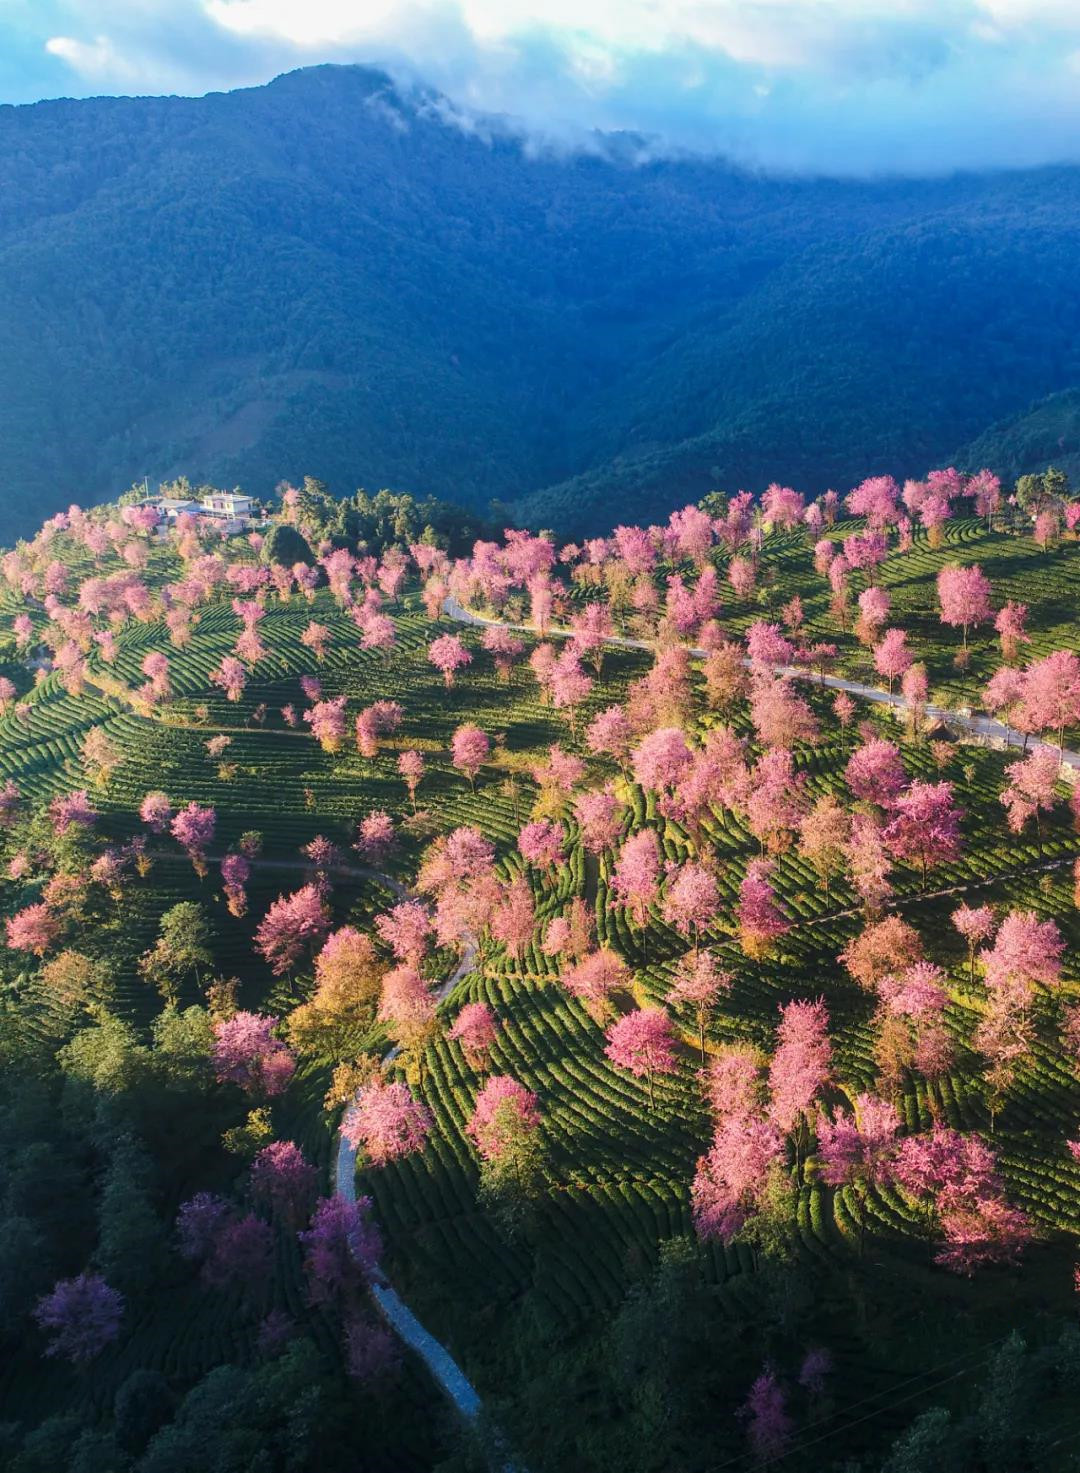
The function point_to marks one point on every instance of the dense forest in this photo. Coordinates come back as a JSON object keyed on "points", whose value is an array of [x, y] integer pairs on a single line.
{"points": [[323, 277]]}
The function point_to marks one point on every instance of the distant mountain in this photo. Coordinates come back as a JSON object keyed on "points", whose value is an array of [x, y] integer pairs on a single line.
{"points": [[1047, 433], [324, 276]]}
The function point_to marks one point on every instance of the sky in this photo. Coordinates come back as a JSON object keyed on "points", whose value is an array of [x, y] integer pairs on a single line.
{"points": [[825, 86]]}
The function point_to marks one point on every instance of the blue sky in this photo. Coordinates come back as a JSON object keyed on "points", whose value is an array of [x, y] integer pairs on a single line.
{"points": [[839, 86]]}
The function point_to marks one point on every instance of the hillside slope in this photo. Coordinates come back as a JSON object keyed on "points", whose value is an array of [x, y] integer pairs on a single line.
{"points": [[1046, 433], [323, 276]]}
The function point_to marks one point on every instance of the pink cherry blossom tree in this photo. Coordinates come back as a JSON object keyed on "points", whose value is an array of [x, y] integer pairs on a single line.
{"points": [[976, 925], [732, 1179], [504, 1110], [406, 929], [698, 984], [642, 1041], [293, 924], [513, 917], [470, 748], [246, 1052], [776, 801], [892, 658], [760, 919], [505, 647], [231, 676], [341, 1249], [1030, 791], [953, 1177], [408, 1008], [34, 929], [691, 901], [374, 836], [600, 818], [768, 1425], [316, 638], [799, 1070], [884, 948], [410, 766], [81, 1315], [327, 722], [475, 1028], [72, 810], [858, 1149], [781, 717], [823, 837], [964, 597], [541, 842], [875, 773], [925, 827], [386, 1121], [1052, 693], [448, 655], [193, 829], [661, 759], [635, 881], [610, 734], [284, 1180], [1026, 953], [235, 873], [1011, 626], [596, 978]]}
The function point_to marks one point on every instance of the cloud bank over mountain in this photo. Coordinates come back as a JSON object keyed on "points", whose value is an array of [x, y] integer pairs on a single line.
{"points": [[830, 86]]}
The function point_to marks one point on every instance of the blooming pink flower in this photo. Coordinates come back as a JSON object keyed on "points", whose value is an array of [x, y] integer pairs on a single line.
{"points": [[504, 1109], [387, 1121]]}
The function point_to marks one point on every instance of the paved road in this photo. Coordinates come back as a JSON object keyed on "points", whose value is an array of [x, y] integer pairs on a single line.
{"points": [[981, 726], [445, 1370]]}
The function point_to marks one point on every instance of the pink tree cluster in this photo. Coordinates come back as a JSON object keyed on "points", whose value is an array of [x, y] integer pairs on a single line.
{"points": [[759, 916], [448, 655], [293, 923], [246, 1052], [386, 1121], [475, 1028], [470, 748], [327, 722], [284, 1181], [341, 1248], [504, 1109], [81, 1317], [642, 1042], [193, 829], [235, 873]]}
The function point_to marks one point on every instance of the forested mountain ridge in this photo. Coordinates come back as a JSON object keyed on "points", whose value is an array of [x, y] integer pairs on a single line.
{"points": [[322, 276]]}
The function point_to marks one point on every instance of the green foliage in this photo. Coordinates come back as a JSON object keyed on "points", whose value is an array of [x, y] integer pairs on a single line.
{"points": [[181, 951], [373, 523], [130, 1234], [141, 1405], [104, 1060], [282, 1417], [285, 545], [183, 1039]]}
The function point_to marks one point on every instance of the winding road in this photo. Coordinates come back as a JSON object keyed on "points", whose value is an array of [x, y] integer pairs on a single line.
{"points": [[446, 1372], [983, 727]]}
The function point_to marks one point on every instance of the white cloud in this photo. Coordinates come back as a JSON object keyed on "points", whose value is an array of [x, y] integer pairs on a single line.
{"points": [[97, 60], [849, 86]]}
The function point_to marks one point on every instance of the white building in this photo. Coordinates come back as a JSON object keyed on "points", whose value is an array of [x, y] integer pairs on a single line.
{"points": [[231, 510]]}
